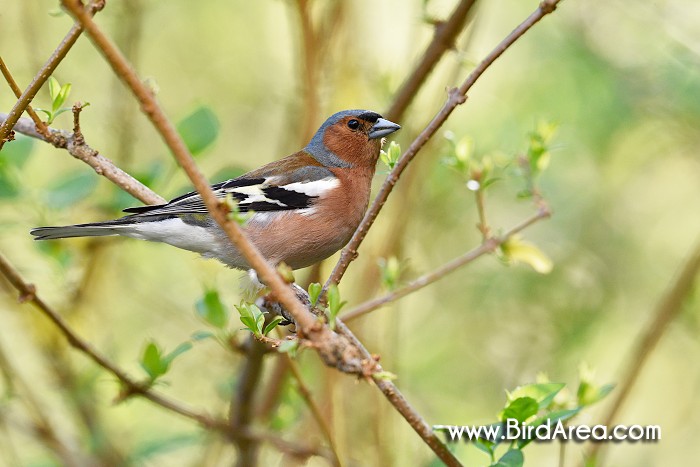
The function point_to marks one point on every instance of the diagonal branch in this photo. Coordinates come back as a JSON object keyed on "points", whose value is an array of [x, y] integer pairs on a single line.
{"points": [[456, 97], [40, 126], [666, 311], [488, 246], [28, 293]]}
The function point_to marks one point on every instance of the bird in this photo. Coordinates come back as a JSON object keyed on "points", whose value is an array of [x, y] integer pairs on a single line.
{"points": [[302, 208]]}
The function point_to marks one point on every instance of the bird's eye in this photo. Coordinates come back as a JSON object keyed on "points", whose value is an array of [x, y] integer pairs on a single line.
{"points": [[353, 124]]}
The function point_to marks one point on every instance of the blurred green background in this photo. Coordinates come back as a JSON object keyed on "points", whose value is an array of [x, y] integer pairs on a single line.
{"points": [[621, 79]]}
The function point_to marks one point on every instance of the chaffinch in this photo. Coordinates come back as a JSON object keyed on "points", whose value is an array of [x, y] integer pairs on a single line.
{"points": [[305, 206]]}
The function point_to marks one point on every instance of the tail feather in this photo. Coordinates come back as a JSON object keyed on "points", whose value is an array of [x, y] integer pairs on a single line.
{"points": [[78, 230]]}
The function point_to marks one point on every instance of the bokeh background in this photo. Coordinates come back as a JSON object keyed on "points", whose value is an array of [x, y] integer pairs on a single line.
{"points": [[620, 78]]}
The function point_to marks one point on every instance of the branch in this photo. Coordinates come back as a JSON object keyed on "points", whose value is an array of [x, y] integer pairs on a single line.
{"points": [[344, 351], [56, 57], [333, 349], [488, 246], [315, 410], [241, 409], [40, 126], [446, 33], [667, 309], [27, 293], [456, 97], [392, 393], [78, 148]]}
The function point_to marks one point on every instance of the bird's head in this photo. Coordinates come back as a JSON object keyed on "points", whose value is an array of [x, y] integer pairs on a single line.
{"points": [[350, 138]]}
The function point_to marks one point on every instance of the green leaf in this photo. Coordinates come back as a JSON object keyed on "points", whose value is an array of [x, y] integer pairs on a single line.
{"points": [[152, 362], [519, 251], [520, 409], [155, 364], [314, 292], [251, 317], [54, 88], [391, 156], [59, 112], [61, 98], [212, 310], [390, 272], [199, 129], [542, 393], [538, 151], [589, 393], [202, 335], [512, 458], [179, 350], [71, 189], [485, 445], [272, 324], [552, 417]]}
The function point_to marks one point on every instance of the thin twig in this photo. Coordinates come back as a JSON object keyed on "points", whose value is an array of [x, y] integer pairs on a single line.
{"points": [[667, 309], [40, 126], [489, 245], [483, 226], [56, 57], [82, 151], [392, 393], [456, 97], [315, 411]]}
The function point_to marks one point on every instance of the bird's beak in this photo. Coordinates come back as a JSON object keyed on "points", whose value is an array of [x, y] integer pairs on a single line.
{"points": [[381, 128]]}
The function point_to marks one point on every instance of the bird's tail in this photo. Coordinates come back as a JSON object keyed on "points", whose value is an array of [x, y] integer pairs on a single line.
{"points": [[97, 229]]}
